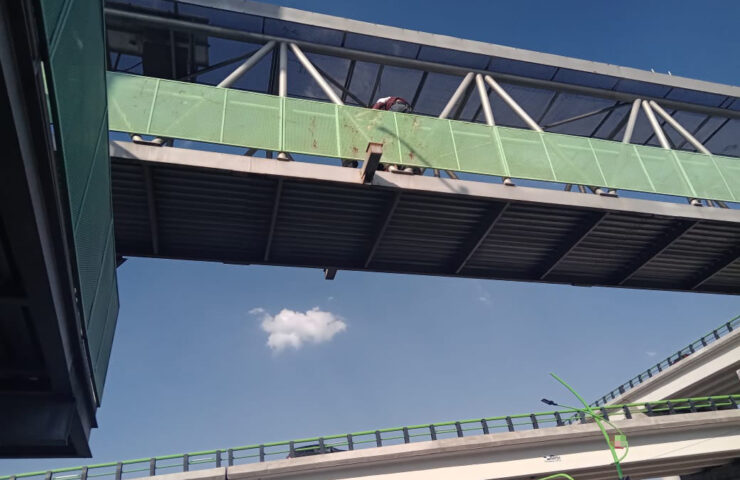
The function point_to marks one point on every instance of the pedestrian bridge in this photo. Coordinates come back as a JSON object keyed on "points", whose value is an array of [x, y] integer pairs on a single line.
{"points": [[190, 84]]}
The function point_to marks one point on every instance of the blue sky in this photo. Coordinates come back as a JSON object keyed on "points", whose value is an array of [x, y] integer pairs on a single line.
{"points": [[191, 368]]}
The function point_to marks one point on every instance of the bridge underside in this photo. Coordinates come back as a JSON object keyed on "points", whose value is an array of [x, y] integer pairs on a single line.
{"points": [[197, 205]]}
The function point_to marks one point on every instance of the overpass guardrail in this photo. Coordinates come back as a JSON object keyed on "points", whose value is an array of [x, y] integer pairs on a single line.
{"points": [[690, 349], [143, 467]]}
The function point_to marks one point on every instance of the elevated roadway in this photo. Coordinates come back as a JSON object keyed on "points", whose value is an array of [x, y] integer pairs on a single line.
{"points": [[709, 366], [666, 438]]}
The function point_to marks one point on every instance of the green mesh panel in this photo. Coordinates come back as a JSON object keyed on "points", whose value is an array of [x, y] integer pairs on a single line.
{"points": [[730, 169], [78, 77], [664, 172], [360, 126], [130, 101], [525, 154], [102, 359], [573, 159], [104, 287], [180, 111], [432, 145], [73, 30], [51, 11], [705, 177], [91, 228], [200, 112], [310, 128], [478, 149], [252, 119], [621, 165]]}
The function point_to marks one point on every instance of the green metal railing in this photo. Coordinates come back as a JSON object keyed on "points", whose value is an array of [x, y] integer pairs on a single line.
{"points": [[693, 347], [166, 108], [373, 438]]}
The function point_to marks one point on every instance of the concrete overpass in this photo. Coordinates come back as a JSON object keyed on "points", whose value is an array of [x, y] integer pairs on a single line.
{"points": [[666, 438], [659, 446], [708, 366]]}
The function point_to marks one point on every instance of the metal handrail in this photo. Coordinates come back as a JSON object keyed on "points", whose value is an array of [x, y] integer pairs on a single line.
{"points": [[692, 348], [142, 467]]}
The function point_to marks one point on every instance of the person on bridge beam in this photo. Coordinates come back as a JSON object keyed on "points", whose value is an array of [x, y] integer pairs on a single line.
{"points": [[396, 104]]}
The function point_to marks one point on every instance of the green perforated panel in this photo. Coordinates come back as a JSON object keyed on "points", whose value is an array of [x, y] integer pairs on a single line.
{"points": [[76, 71], [478, 149], [310, 128], [706, 178], [525, 154], [360, 126], [211, 114], [621, 166], [432, 145], [730, 170], [250, 119], [573, 160], [132, 103], [664, 172]]}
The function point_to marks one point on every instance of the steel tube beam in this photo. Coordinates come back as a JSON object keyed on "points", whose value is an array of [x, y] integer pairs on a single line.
{"points": [[283, 72], [348, 80], [352, 54], [282, 86], [679, 128], [215, 66], [512, 103], [315, 74], [583, 115], [660, 135], [343, 88], [455, 98], [248, 63], [484, 101]]}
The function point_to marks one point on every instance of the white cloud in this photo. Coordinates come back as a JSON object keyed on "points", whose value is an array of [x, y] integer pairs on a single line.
{"points": [[292, 329], [331, 299], [651, 354]]}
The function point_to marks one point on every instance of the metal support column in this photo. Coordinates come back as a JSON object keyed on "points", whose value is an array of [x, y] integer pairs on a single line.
{"points": [[283, 71], [631, 122], [455, 98], [660, 135], [485, 103], [488, 112], [282, 84]]}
